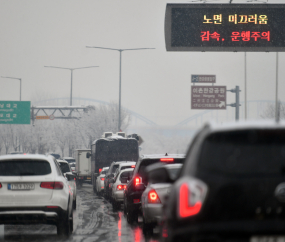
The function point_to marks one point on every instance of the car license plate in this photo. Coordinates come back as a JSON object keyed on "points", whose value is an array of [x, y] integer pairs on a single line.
{"points": [[267, 239], [21, 186], [88, 178]]}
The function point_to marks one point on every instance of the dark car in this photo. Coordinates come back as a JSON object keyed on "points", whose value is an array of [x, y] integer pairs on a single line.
{"points": [[109, 175], [139, 181], [231, 186]]}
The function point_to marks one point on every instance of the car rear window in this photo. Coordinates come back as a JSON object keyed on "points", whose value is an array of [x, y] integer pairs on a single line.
{"points": [[114, 168], [250, 152], [24, 168], [64, 167], [148, 162]]}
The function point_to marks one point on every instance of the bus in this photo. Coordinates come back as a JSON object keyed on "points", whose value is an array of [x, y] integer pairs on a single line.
{"points": [[112, 148]]}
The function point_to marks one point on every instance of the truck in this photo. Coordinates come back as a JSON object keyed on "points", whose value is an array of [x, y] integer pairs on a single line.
{"points": [[111, 147], [83, 166]]}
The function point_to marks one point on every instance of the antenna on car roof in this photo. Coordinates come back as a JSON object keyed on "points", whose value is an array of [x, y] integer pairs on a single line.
{"points": [[166, 154]]}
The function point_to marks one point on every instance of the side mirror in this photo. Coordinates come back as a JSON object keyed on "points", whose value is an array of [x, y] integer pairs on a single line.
{"points": [[70, 177], [88, 155], [140, 187], [124, 180]]}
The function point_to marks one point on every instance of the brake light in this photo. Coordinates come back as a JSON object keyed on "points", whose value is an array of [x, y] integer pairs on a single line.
{"points": [[74, 179], [137, 180], [0, 185], [52, 185], [191, 197], [137, 200], [120, 187], [167, 159], [100, 170], [153, 197], [102, 178], [133, 166]]}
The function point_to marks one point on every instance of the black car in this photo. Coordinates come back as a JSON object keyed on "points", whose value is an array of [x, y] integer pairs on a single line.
{"points": [[138, 183], [231, 187]]}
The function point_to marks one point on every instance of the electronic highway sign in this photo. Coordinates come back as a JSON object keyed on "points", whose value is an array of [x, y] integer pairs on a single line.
{"points": [[15, 112], [203, 78], [225, 27], [208, 97]]}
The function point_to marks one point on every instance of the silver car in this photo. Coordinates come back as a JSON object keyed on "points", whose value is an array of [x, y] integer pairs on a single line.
{"points": [[119, 185], [100, 180], [161, 177]]}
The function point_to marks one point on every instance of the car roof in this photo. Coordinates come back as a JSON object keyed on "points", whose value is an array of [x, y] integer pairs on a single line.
{"points": [[158, 156], [129, 169], [127, 163], [105, 168], [62, 161], [244, 125], [68, 158], [25, 157]]}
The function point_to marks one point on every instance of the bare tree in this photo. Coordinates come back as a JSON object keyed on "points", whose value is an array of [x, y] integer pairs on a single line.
{"points": [[269, 113]]}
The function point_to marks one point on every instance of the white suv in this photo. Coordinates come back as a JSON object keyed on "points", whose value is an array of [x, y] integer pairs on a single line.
{"points": [[33, 190]]}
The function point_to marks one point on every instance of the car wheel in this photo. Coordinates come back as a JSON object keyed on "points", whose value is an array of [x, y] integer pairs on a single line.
{"points": [[147, 228], [74, 204], [125, 209], [64, 226], [132, 216]]}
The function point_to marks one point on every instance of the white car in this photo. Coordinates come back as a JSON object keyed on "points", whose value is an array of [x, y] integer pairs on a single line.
{"points": [[73, 166], [66, 169], [69, 159], [100, 180], [33, 190], [119, 185]]}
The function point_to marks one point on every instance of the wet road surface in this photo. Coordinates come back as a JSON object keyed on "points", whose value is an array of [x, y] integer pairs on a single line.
{"points": [[94, 220]]}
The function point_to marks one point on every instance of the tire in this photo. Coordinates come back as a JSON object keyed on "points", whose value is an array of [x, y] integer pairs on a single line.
{"points": [[125, 209], [64, 226], [74, 204], [132, 216], [147, 228]]}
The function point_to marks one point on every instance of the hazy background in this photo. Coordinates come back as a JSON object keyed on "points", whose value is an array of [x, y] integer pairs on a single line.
{"points": [[155, 83]]}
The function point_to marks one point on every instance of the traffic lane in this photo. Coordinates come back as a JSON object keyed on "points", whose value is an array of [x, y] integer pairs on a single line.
{"points": [[94, 220]]}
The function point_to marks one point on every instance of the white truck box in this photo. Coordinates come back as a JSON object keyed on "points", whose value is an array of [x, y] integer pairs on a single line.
{"points": [[83, 165]]}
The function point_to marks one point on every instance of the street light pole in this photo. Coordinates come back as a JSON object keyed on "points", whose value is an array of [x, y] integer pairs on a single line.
{"points": [[20, 84], [71, 70], [120, 79]]}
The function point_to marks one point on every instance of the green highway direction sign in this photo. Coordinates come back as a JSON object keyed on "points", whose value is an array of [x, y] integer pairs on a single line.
{"points": [[15, 112]]}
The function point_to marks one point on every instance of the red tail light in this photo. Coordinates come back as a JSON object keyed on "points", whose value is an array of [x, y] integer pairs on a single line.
{"points": [[153, 197], [102, 178], [120, 187], [137, 200], [0, 185], [191, 197], [133, 166], [138, 180], [74, 179], [125, 187], [52, 185], [100, 170], [167, 159]]}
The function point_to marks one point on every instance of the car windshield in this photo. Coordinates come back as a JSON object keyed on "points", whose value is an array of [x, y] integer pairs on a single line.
{"points": [[24, 168]]}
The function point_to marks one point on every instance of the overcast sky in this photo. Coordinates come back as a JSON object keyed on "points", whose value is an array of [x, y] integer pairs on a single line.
{"points": [[155, 83]]}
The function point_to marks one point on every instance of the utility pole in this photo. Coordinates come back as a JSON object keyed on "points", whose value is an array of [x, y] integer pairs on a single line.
{"points": [[236, 104]]}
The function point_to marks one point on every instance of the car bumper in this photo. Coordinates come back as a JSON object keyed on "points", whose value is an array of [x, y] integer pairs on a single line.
{"points": [[118, 196], [152, 212], [229, 229], [36, 215]]}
